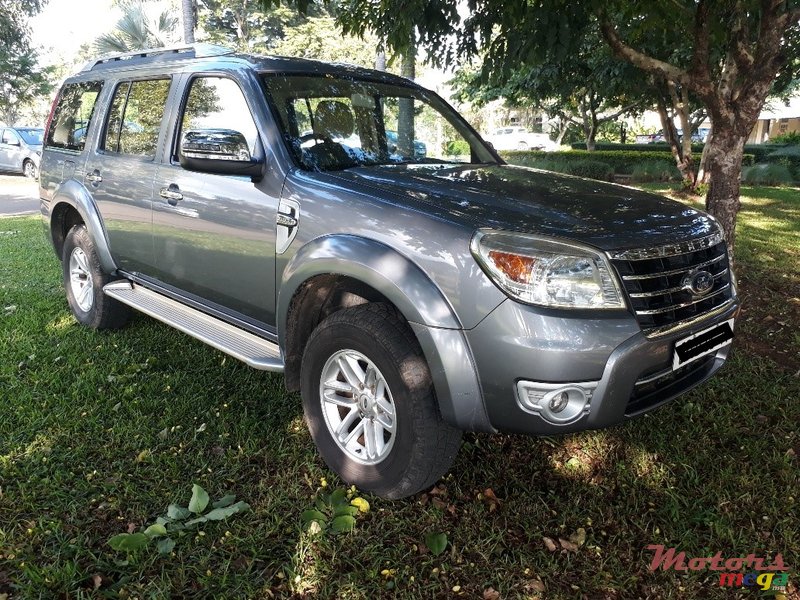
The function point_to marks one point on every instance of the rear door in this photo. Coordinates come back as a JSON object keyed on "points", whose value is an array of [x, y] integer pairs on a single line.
{"points": [[120, 170], [214, 235]]}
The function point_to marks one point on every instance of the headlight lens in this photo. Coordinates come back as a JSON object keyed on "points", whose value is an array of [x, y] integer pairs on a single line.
{"points": [[546, 272]]}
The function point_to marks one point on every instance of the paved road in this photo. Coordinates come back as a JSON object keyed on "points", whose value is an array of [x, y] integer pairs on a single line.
{"points": [[18, 195]]}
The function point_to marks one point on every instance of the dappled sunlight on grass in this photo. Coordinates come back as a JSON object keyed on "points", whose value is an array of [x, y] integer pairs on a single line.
{"points": [[62, 323]]}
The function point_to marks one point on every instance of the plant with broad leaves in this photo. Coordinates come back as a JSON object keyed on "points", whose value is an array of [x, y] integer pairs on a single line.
{"points": [[177, 520], [335, 512]]}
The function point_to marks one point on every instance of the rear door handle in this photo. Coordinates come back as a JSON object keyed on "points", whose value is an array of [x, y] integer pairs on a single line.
{"points": [[171, 194]]}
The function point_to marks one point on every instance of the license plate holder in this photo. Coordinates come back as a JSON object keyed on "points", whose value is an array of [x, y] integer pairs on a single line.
{"points": [[702, 343]]}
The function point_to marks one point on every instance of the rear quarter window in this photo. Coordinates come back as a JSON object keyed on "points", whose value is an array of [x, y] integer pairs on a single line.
{"points": [[73, 115]]}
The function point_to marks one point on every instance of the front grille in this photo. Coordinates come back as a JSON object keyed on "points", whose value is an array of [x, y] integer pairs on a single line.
{"points": [[655, 280]]}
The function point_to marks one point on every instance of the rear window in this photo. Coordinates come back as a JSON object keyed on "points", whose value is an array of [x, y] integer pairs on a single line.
{"points": [[73, 115]]}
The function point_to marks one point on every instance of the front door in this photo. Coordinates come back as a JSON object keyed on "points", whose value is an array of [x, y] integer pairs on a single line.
{"points": [[119, 173], [214, 235], [10, 150]]}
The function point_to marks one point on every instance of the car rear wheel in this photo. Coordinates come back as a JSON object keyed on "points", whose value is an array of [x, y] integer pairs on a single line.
{"points": [[370, 405], [84, 280], [522, 146], [29, 169]]}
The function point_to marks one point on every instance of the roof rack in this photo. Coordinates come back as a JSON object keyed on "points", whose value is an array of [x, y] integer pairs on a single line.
{"points": [[180, 51]]}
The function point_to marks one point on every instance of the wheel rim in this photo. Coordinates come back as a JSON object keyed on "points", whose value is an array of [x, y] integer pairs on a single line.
{"points": [[30, 170], [358, 407], [80, 280]]}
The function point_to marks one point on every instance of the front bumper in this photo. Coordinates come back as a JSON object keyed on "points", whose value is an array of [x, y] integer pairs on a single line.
{"points": [[628, 372]]}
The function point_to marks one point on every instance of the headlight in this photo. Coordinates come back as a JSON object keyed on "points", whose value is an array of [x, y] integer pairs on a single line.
{"points": [[543, 271]]}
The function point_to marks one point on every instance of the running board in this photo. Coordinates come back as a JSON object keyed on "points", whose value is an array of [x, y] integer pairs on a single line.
{"points": [[249, 348]]}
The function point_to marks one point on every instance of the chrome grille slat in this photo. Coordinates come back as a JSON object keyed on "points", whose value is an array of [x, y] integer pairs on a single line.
{"points": [[672, 290], [669, 250], [654, 282], [674, 271], [674, 307]]}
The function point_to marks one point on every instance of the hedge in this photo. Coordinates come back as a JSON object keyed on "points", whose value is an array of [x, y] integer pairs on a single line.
{"points": [[623, 163], [760, 152]]}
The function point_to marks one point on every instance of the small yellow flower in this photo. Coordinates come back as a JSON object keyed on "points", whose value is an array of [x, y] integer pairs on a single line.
{"points": [[361, 504]]}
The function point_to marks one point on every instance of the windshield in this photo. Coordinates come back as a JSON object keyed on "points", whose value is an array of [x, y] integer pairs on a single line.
{"points": [[338, 122], [32, 137]]}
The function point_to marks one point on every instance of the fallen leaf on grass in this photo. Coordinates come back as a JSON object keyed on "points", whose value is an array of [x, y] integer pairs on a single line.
{"points": [[567, 545], [537, 586], [550, 544], [579, 537], [491, 594]]}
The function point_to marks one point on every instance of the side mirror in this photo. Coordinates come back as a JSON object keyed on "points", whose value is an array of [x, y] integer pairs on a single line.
{"points": [[12, 143], [223, 151]]}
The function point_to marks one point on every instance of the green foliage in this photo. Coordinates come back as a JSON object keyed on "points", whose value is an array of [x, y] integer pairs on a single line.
{"points": [[655, 170], [773, 174], [177, 522], [456, 148], [334, 512], [593, 169], [790, 138], [142, 25], [22, 80], [788, 156]]}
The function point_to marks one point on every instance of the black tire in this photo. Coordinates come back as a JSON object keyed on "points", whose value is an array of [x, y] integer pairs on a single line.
{"points": [[29, 169], [425, 446], [102, 312]]}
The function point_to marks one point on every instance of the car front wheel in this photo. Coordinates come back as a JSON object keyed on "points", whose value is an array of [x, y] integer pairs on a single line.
{"points": [[370, 405], [29, 169], [84, 280]]}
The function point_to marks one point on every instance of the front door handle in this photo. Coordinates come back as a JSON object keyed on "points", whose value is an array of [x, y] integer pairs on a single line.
{"points": [[171, 194], [94, 177]]}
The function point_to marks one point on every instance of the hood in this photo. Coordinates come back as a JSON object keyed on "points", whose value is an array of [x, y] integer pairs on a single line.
{"points": [[607, 216]]}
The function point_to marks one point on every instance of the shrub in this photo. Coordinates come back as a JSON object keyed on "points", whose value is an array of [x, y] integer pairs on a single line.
{"points": [[655, 170], [593, 169], [622, 162], [788, 156], [792, 138], [767, 174], [457, 148]]}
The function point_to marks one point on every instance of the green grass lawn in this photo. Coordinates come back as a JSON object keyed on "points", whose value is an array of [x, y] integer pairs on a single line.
{"points": [[99, 432]]}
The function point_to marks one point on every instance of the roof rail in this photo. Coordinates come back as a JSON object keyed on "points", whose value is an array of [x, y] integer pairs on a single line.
{"points": [[179, 51]]}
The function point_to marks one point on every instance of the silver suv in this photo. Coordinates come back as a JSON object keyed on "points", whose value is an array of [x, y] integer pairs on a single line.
{"points": [[263, 206]]}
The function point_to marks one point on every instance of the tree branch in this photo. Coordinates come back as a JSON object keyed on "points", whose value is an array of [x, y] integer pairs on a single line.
{"points": [[639, 59], [744, 60], [702, 39]]}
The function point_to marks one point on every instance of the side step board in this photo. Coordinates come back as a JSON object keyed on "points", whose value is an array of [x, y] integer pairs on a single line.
{"points": [[250, 349]]}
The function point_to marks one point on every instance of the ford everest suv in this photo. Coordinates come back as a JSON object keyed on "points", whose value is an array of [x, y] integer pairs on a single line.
{"points": [[258, 204]]}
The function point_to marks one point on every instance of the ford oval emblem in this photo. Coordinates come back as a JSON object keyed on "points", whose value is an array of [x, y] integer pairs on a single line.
{"points": [[699, 283]]}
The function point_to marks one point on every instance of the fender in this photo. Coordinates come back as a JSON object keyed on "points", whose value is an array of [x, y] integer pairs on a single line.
{"points": [[419, 300], [77, 196]]}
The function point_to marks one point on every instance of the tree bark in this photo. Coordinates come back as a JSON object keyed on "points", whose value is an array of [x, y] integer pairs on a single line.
{"points": [[405, 117], [187, 10], [724, 150]]}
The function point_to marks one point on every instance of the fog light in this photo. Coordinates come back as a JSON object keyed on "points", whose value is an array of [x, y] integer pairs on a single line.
{"points": [[557, 403]]}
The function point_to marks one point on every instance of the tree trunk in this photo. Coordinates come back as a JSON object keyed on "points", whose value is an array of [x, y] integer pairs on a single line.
{"points": [[380, 59], [187, 10], [702, 173], [563, 126], [405, 117], [681, 148], [724, 150]]}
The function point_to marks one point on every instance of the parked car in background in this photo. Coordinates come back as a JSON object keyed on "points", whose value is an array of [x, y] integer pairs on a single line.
{"points": [[698, 137], [21, 149], [519, 138]]}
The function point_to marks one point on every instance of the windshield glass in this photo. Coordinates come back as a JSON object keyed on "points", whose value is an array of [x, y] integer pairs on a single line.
{"points": [[32, 137], [332, 123]]}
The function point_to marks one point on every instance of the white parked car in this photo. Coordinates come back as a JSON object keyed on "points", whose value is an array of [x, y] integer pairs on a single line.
{"points": [[519, 138]]}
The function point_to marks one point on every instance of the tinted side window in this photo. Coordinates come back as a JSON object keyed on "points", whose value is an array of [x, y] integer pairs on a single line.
{"points": [[135, 117], [217, 103], [73, 115]]}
